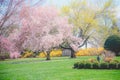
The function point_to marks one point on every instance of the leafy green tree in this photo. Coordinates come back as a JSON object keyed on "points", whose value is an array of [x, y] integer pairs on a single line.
{"points": [[112, 43], [93, 21]]}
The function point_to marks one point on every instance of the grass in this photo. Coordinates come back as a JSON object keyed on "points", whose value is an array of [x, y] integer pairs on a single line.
{"points": [[56, 69]]}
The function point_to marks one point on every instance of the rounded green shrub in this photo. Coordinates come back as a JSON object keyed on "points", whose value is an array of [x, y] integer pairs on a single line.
{"points": [[81, 65], [76, 65], [118, 65], [112, 43], [112, 65], [95, 66], [104, 66], [87, 65]]}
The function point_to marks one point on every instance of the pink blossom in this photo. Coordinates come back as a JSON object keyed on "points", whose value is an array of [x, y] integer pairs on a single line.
{"points": [[8, 46], [42, 28], [5, 44], [14, 55], [46, 28]]}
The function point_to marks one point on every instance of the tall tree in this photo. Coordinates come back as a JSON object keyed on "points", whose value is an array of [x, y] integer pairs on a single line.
{"points": [[92, 20], [44, 29], [9, 21]]}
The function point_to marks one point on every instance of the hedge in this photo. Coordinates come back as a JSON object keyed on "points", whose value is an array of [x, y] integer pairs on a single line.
{"points": [[95, 65]]}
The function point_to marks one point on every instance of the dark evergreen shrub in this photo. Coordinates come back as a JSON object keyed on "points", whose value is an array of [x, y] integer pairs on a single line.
{"points": [[76, 65], [81, 65], [118, 65], [95, 66], [112, 43], [88, 66], [104, 66], [112, 65]]}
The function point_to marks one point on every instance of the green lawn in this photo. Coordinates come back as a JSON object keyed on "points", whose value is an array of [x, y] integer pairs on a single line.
{"points": [[56, 69]]}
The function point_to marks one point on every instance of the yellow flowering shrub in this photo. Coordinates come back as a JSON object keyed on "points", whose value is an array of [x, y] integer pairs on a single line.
{"points": [[90, 51], [58, 52], [53, 53], [42, 55], [27, 54]]}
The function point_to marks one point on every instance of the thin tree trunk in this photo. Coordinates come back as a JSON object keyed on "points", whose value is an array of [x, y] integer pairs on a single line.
{"points": [[48, 55], [73, 53]]}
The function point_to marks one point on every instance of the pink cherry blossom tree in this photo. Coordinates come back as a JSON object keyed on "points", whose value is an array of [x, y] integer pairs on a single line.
{"points": [[9, 20], [17, 38], [42, 29], [45, 27]]}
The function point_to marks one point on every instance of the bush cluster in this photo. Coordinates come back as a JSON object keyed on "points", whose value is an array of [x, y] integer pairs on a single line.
{"points": [[58, 53], [90, 51], [27, 54], [53, 53], [96, 65]]}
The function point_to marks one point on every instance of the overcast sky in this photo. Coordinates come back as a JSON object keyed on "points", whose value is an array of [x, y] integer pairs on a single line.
{"points": [[57, 3], [60, 3]]}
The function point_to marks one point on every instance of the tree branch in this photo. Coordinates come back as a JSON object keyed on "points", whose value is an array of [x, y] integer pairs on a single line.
{"points": [[84, 42]]}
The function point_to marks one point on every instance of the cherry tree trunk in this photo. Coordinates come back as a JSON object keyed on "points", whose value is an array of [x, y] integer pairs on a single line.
{"points": [[73, 53], [48, 55]]}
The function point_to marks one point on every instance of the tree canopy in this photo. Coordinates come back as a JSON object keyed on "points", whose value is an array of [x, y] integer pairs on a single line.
{"points": [[112, 43]]}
